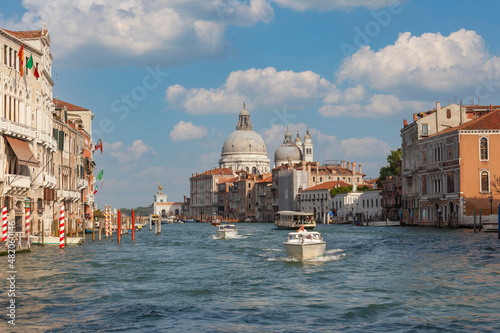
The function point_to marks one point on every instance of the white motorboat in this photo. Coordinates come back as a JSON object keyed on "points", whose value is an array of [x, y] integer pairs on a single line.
{"points": [[227, 231], [304, 244], [294, 220], [491, 225]]}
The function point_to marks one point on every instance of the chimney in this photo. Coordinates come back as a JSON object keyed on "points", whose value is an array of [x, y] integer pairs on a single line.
{"points": [[360, 168], [405, 122], [308, 168], [353, 167], [348, 165], [303, 166], [438, 108], [415, 117]]}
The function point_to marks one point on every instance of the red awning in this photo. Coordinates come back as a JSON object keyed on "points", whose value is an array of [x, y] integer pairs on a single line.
{"points": [[23, 152]]}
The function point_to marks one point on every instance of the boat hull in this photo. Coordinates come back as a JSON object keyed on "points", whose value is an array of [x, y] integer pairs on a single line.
{"points": [[227, 233], [305, 251], [50, 240]]}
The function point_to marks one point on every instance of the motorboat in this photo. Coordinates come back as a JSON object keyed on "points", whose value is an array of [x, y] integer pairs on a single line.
{"points": [[294, 220], [304, 244], [491, 225], [226, 231]]}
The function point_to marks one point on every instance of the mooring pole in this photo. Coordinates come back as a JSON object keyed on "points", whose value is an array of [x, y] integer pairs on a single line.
{"points": [[119, 226], [474, 219], [480, 218], [498, 210], [133, 224]]}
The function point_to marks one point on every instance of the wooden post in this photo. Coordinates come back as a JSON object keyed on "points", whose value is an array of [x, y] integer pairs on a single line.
{"points": [[100, 228], [133, 224], [93, 230], [474, 219], [150, 221], [43, 234], [480, 218], [498, 214], [119, 226]]}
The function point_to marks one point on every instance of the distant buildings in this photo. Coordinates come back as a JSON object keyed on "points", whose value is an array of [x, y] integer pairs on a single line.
{"points": [[46, 144]]}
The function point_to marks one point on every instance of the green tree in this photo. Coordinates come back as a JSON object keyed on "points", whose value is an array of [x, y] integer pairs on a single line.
{"points": [[394, 161]]}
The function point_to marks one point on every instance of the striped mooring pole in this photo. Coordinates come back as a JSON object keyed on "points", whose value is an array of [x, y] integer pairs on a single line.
{"points": [[27, 223], [61, 228], [4, 224]]}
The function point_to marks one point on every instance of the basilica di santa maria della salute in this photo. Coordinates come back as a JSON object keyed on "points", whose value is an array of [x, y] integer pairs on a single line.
{"points": [[244, 149]]}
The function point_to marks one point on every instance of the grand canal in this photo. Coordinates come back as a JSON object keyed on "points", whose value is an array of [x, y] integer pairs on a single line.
{"points": [[372, 279]]}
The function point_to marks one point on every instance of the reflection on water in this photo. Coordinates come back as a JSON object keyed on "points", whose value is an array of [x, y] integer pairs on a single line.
{"points": [[370, 279]]}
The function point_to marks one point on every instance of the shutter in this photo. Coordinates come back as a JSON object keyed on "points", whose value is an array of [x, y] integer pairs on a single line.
{"points": [[61, 140], [55, 133]]}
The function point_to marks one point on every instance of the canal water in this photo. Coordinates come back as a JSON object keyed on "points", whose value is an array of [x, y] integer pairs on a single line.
{"points": [[372, 279]]}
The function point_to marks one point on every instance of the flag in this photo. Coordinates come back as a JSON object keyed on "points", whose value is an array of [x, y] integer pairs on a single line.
{"points": [[30, 62], [96, 187], [99, 145], [99, 176], [21, 57], [36, 73]]}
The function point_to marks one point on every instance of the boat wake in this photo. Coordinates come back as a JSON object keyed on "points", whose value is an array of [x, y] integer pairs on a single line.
{"points": [[228, 237], [330, 255]]}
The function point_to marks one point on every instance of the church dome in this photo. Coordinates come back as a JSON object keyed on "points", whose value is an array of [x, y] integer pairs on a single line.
{"points": [[298, 140], [287, 152], [244, 141]]}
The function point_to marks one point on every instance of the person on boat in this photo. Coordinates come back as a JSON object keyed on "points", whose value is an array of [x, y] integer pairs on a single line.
{"points": [[301, 229]]}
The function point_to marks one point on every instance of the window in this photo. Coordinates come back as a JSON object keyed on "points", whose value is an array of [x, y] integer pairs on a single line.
{"points": [[425, 129], [483, 146], [485, 182]]}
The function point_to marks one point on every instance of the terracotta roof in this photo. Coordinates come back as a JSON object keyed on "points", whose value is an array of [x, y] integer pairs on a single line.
{"points": [[69, 106], [489, 121], [216, 172], [230, 180], [371, 181], [27, 34], [327, 186], [266, 178]]}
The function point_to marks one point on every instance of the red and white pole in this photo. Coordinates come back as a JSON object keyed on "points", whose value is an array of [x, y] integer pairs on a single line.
{"points": [[27, 223], [119, 226], [4, 224], [61, 228], [106, 220]]}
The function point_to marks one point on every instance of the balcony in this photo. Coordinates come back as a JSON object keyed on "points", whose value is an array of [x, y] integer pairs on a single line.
{"points": [[49, 180], [17, 130], [69, 195], [16, 184], [47, 140], [82, 183], [436, 166]]}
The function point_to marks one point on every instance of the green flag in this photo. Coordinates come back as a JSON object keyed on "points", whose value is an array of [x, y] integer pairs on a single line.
{"points": [[99, 176], [30, 62]]}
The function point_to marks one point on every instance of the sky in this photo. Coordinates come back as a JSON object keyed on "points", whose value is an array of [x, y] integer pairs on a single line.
{"points": [[166, 79]]}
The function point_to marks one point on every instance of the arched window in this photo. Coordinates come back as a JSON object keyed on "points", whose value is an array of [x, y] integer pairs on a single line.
{"points": [[484, 148], [485, 182]]}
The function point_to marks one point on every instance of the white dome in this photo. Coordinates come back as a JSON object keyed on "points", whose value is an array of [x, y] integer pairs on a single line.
{"points": [[241, 141]]}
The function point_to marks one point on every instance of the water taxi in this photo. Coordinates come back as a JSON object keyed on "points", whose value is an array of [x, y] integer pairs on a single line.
{"points": [[294, 220], [304, 244], [227, 231]]}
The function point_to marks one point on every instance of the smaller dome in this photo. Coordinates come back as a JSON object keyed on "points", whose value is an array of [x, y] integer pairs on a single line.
{"points": [[287, 152], [298, 139], [307, 137]]}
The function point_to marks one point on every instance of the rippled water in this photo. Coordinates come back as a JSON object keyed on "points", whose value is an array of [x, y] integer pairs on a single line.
{"points": [[372, 279]]}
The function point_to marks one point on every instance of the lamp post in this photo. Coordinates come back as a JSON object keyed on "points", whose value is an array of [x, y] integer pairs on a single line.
{"points": [[491, 202]]}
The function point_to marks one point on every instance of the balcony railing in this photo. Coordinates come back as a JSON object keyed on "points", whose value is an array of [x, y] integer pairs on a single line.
{"points": [[82, 183], [49, 180], [69, 195], [16, 129], [18, 181], [47, 140]]}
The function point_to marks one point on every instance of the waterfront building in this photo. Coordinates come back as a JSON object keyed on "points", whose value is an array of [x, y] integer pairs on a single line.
{"points": [[448, 164], [244, 149], [391, 197], [317, 199], [203, 191], [27, 173], [162, 207], [264, 199]]}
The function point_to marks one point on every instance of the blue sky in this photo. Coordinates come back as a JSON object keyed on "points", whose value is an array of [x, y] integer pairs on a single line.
{"points": [[167, 79]]}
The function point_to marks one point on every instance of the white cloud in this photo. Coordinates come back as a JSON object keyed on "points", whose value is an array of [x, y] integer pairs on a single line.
{"points": [[164, 31], [364, 147], [431, 62], [324, 5], [375, 106], [185, 131], [261, 88], [132, 153]]}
